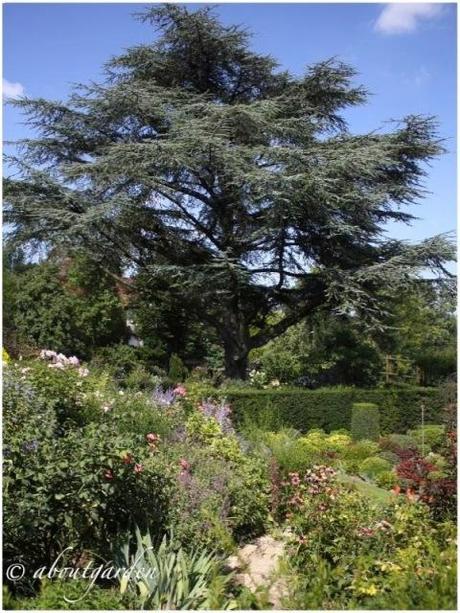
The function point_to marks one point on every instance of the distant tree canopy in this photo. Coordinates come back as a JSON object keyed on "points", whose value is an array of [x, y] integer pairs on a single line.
{"points": [[200, 161], [420, 332]]}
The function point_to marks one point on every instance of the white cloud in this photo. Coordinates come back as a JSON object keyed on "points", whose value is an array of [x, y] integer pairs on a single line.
{"points": [[12, 90], [400, 18]]}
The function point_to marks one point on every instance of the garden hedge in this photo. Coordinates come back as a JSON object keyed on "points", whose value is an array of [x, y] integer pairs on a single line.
{"points": [[330, 408]]}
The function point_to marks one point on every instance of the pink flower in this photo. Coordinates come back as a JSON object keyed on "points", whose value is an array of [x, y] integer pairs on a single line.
{"points": [[184, 464], [138, 468], [365, 532], [180, 391], [108, 474], [295, 479], [302, 540], [152, 438]]}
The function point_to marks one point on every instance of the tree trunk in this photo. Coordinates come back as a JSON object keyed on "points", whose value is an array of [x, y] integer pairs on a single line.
{"points": [[235, 337], [235, 367]]}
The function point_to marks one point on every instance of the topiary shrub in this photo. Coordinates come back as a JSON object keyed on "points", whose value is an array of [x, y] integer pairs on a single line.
{"points": [[365, 421]]}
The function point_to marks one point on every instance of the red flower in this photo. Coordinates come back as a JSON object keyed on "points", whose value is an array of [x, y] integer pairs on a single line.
{"points": [[128, 459]]}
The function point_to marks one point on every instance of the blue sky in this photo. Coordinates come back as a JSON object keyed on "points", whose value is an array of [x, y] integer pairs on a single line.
{"points": [[405, 54]]}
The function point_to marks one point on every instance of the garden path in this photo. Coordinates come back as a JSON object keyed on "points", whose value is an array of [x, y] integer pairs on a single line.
{"points": [[256, 566]]}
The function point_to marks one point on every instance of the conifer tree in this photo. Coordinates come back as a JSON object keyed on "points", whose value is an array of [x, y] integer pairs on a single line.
{"points": [[201, 161]]}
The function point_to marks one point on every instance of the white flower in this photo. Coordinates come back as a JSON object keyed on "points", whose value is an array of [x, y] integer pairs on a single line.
{"points": [[83, 372], [121, 393]]}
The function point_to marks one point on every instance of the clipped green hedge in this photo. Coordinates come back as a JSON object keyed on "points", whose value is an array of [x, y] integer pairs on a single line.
{"points": [[330, 408], [365, 421]]}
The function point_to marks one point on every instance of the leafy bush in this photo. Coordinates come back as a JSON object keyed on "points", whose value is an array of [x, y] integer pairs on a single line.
{"points": [[431, 436], [427, 481], [68, 390], [330, 408], [387, 479], [289, 450], [398, 442], [374, 466], [127, 366], [365, 421], [73, 487]]}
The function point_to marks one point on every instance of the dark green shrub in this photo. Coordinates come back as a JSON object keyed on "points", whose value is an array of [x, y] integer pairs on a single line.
{"points": [[120, 360], [365, 421], [73, 311], [177, 371]]}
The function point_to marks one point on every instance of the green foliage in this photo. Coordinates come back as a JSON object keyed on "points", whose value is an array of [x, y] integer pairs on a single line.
{"points": [[423, 329], [289, 450], [71, 486], [331, 408], [127, 365], [374, 466], [365, 421], [387, 479], [322, 351], [431, 436], [177, 371], [390, 457], [73, 594], [169, 321], [69, 311], [373, 557], [167, 576]]}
